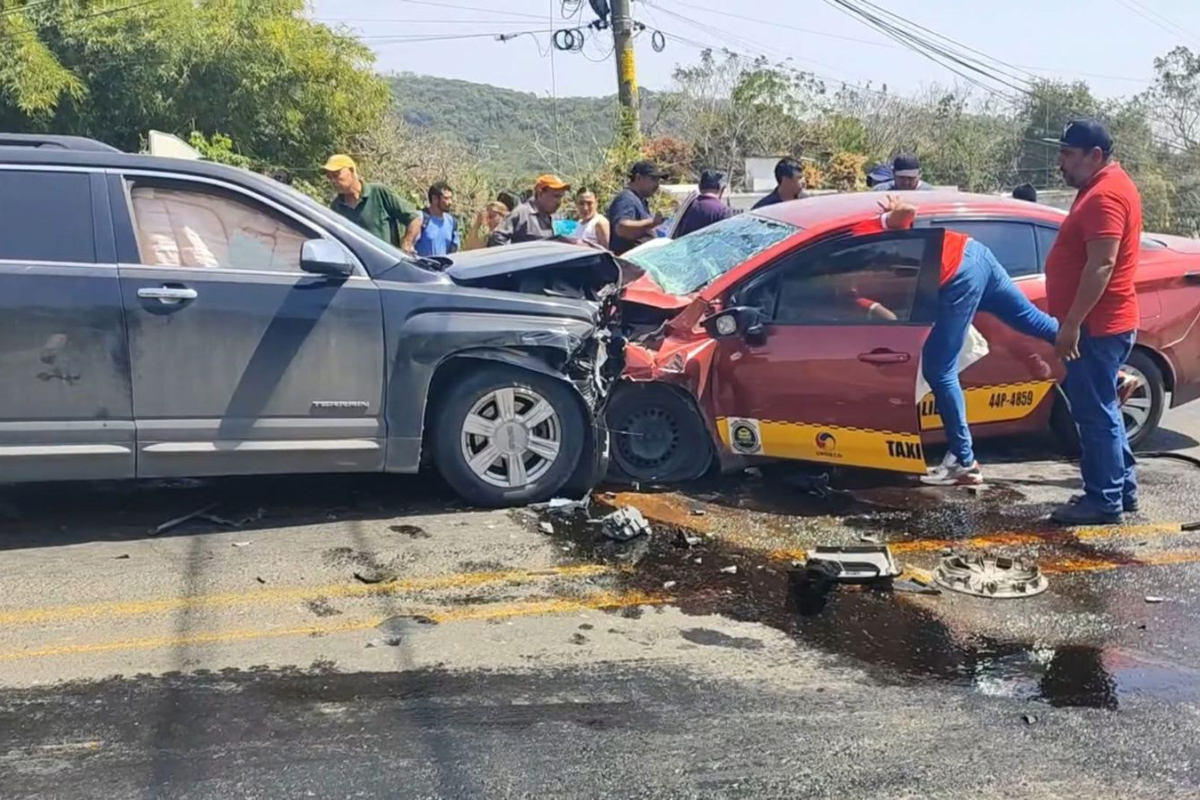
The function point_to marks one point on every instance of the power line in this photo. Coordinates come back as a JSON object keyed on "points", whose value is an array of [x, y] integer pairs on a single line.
{"points": [[1157, 20], [410, 21], [498, 12], [946, 57], [95, 15], [746, 43], [21, 9], [772, 23]]}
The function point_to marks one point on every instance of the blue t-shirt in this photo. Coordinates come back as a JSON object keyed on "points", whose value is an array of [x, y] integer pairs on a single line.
{"points": [[439, 235], [627, 205]]}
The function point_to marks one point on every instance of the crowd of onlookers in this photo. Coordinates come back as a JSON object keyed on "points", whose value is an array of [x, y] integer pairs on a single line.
{"points": [[627, 222]]}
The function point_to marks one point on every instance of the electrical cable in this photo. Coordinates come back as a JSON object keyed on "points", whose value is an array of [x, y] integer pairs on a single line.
{"points": [[1156, 19], [941, 55], [21, 9], [498, 12], [95, 15]]}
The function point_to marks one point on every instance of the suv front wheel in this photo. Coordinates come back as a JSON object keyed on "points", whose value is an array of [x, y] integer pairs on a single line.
{"points": [[505, 436]]}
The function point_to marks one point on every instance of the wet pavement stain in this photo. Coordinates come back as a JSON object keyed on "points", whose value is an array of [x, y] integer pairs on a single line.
{"points": [[896, 639], [711, 638]]}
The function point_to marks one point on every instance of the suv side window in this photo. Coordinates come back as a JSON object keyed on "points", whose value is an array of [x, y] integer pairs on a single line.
{"points": [[46, 216], [851, 283], [1012, 242], [190, 226]]}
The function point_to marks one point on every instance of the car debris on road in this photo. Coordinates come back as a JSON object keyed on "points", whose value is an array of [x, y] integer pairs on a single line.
{"points": [[858, 563], [177, 521], [624, 524], [990, 576]]}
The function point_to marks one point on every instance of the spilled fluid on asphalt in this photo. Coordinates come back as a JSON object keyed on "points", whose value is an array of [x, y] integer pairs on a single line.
{"points": [[894, 637]]}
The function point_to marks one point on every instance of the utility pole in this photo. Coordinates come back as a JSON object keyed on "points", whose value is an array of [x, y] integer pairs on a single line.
{"points": [[627, 90]]}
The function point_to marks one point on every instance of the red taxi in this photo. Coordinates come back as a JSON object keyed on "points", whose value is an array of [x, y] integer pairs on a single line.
{"points": [[761, 336]]}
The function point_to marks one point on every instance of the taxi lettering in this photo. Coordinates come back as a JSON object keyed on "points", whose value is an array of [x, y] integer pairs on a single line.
{"points": [[906, 450]]}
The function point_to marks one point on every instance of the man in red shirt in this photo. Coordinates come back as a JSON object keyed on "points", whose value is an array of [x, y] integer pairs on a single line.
{"points": [[1090, 290]]}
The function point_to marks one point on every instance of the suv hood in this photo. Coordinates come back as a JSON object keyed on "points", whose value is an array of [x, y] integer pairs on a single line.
{"points": [[553, 268]]}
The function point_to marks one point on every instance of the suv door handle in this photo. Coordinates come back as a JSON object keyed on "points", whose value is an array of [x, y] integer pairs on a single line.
{"points": [[884, 357], [167, 295], [1192, 277]]}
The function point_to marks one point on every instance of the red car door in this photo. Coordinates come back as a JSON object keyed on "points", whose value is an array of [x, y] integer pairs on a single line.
{"points": [[831, 375]]}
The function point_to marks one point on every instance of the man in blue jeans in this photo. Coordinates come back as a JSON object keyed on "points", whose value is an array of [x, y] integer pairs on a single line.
{"points": [[971, 280], [1090, 289], [979, 283]]}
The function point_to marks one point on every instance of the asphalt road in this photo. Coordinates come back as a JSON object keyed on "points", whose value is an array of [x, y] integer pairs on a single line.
{"points": [[368, 637]]}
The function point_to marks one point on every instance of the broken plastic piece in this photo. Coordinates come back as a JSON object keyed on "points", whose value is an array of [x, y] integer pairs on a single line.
{"points": [[990, 576], [625, 524], [857, 563], [174, 523], [1155, 599], [562, 505], [731, 570], [914, 587], [545, 527]]}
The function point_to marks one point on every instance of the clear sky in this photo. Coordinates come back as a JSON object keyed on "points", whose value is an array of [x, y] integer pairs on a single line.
{"points": [[1109, 43]]}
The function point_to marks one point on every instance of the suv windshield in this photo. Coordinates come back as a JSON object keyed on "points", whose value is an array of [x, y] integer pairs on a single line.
{"points": [[686, 264]]}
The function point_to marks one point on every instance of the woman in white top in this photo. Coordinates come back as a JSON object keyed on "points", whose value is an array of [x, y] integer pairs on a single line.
{"points": [[593, 227]]}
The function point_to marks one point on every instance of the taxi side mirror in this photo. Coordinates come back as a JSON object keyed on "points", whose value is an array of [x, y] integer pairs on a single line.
{"points": [[736, 321]]}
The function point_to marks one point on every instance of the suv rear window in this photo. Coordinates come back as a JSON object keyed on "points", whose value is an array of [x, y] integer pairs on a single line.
{"points": [[46, 216]]}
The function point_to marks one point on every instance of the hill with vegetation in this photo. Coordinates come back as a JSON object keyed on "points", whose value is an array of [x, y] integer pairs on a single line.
{"points": [[516, 133]]}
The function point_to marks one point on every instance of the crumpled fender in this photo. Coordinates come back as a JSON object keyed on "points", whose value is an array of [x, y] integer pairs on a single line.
{"points": [[683, 356], [684, 363]]}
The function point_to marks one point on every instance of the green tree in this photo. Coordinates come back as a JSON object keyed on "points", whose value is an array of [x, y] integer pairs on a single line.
{"points": [[731, 110], [287, 90]]}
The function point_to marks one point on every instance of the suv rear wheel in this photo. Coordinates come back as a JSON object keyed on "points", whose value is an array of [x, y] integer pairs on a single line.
{"points": [[505, 436]]}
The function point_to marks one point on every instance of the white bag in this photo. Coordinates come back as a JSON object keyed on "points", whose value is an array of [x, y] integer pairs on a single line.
{"points": [[974, 348]]}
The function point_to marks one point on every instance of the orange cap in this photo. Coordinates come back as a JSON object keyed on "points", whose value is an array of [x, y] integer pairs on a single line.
{"points": [[550, 182]]}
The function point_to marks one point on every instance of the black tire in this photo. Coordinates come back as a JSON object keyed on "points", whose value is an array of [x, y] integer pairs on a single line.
{"points": [[1155, 392], [1066, 433], [448, 435], [657, 436]]}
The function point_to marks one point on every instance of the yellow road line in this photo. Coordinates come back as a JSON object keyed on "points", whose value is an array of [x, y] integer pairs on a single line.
{"points": [[1053, 537], [287, 594], [603, 600], [1058, 566]]}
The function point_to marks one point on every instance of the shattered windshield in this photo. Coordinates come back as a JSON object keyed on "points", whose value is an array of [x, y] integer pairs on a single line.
{"points": [[686, 264]]}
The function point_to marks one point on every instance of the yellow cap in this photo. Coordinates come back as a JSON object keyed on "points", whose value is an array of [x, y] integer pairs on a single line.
{"points": [[338, 163], [550, 182]]}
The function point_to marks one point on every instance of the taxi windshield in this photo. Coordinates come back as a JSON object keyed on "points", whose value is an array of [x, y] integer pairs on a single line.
{"points": [[686, 264]]}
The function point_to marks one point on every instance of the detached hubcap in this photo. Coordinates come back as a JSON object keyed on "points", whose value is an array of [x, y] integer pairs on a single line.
{"points": [[511, 437], [1136, 411]]}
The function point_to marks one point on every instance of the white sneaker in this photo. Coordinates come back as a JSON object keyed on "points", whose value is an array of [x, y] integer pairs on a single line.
{"points": [[952, 473]]}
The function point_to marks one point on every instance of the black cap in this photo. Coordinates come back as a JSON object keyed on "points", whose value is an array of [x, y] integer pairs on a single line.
{"points": [[711, 179], [1085, 134], [648, 169], [906, 162]]}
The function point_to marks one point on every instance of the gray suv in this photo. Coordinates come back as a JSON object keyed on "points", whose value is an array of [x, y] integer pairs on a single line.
{"points": [[163, 317]]}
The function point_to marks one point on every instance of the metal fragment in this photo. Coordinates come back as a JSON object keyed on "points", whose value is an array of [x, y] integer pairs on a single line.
{"points": [[990, 576]]}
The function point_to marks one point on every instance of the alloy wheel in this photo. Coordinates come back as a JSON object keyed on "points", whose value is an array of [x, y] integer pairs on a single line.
{"points": [[511, 437]]}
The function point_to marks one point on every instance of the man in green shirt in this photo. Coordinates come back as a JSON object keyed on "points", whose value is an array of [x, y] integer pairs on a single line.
{"points": [[372, 206]]}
